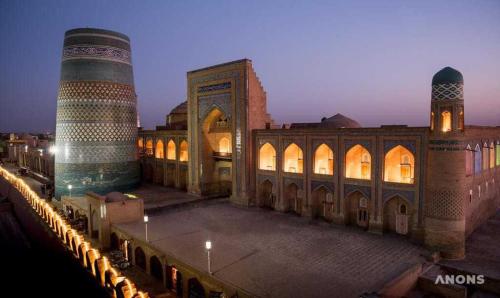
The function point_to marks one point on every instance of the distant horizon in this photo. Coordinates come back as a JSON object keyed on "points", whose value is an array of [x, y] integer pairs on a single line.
{"points": [[372, 62]]}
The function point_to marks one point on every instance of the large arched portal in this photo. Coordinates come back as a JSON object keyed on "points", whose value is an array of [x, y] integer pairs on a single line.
{"points": [[217, 150], [396, 215]]}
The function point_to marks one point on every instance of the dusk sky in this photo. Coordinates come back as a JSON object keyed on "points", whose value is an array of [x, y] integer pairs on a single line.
{"points": [[370, 60]]}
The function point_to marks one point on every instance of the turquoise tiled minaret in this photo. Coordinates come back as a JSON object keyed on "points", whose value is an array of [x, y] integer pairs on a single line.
{"points": [[96, 128]]}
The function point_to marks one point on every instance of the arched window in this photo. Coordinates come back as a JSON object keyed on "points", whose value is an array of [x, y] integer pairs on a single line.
{"points": [[469, 161], [140, 144], [183, 152], [171, 150], [445, 121], [432, 120], [323, 160], [159, 149], [492, 155], [461, 119], [485, 156], [267, 157], [399, 165], [149, 147], [358, 163], [477, 159], [293, 159], [224, 146], [498, 154]]}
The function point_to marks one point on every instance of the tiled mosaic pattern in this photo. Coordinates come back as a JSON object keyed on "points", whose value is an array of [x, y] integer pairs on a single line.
{"points": [[96, 52], [453, 91]]}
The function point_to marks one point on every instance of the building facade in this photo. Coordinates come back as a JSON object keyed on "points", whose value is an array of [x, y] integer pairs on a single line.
{"points": [[434, 184]]}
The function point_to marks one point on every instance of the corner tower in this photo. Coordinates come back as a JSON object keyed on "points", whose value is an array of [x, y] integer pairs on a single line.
{"points": [[96, 128], [445, 181]]}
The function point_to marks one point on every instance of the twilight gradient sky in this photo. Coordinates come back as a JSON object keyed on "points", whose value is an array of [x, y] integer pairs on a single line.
{"points": [[370, 60]]}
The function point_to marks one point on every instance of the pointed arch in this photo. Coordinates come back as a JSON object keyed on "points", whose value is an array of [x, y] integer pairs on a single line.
{"points": [[485, 156], [224, 145], [183, 151], [446, 121], [159, 152], [267, 157], [171, 150], [399, 165], [477, 159], [469, 161], [323, 160], [358, 163], [149, 147], [492, 155], [293, 159]]}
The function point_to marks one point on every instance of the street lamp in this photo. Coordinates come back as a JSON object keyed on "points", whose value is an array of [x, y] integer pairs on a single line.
{"points": [[146, 219], [70, 187], [208, 246]]}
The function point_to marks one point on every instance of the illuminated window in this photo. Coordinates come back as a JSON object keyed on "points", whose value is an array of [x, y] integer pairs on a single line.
{"points": [[358, 163], [498, 154], [445, 121], [461, 119], [492, 155], [140, 143], [183, 152], [485, 156], [469, 161], [477, 159], [149, 147], [323, 160], [432, 120], [224, 146], [293, 159], [171, 150], [267, 157], [159, 149], [399, 165]]}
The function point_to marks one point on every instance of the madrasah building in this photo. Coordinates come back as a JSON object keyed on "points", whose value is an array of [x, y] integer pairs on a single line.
{"points": [[434, 184]]}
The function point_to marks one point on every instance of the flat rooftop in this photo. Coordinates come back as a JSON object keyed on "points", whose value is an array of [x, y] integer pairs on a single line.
{"points": [[272, 254]]}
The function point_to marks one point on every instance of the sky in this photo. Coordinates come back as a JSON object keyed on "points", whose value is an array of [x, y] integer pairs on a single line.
{"points": [[370, 60]]}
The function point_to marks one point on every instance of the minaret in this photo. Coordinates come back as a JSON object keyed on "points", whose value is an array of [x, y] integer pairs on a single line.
{"points": [[96, 128], [445, 181]]}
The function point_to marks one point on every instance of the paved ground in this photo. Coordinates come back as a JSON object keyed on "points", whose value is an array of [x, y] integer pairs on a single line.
{"points": [[482, 250], [272, 254]]}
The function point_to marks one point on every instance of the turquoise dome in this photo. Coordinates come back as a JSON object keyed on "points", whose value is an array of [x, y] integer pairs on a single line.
{"points": [[447, 75]]}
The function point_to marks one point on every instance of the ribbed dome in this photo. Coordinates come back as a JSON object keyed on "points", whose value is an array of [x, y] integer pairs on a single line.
{"points": [[180, 109], [340, 121], [447, 75]]}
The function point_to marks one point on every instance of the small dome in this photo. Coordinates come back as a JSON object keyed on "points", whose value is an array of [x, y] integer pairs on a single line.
{"points": [[447, 75], [340, 121], [180, 109], [115, 197]]}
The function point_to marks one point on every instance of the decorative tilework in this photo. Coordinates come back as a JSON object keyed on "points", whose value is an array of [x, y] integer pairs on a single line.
{"points": [[349, 188], [410, 145], [96, 52], [351, 143], [453, 91], [328, 185], [219, 101], [96, 132], [388, 194], [97, 91], [95, 111]]}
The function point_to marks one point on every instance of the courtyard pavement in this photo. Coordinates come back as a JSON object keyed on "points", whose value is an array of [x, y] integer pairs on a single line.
{"points": [[271, 254]]}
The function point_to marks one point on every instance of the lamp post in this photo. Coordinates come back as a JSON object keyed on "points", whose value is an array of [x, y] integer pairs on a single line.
{"points": [[70, 187], [146, 219], [208, 246]]}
